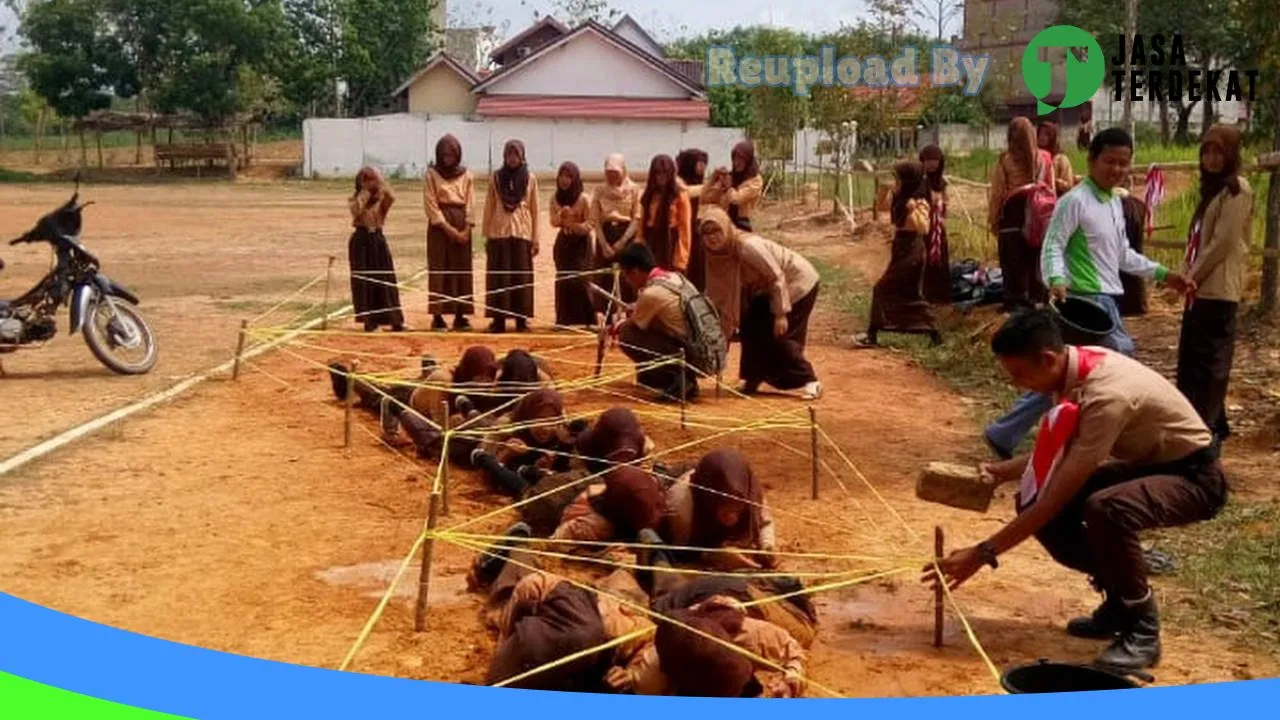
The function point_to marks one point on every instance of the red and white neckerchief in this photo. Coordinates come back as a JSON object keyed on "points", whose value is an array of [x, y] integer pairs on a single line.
{"points": [[1056, 431], [937, 222], [1193, 250], [1154, 195]]}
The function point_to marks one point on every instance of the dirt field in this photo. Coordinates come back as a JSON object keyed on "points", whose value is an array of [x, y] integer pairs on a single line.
{"points": [[234, 519]]}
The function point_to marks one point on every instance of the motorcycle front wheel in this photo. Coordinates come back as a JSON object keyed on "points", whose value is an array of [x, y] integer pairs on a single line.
{"points": [[119, 337]]}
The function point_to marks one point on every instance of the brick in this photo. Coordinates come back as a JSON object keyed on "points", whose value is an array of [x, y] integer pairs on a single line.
{"points": [[957, 486]]}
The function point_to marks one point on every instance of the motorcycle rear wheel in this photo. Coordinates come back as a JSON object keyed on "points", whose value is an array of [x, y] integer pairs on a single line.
{"points": [[104, 337]]}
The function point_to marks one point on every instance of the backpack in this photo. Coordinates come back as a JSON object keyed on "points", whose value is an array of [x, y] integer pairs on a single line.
{"points": [[1041, 201], [705, 346]]}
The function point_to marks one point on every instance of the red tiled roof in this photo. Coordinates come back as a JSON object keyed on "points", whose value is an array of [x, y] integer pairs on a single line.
{"points": [[592, 107], [908, 98], [689, 69]]}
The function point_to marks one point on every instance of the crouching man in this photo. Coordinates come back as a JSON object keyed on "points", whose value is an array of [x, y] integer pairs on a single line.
{"points": [[656, 329], [1121, 452]]}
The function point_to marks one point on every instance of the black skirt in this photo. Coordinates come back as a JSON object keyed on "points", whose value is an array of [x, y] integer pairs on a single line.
{"points": [[1206, 351], [375, 291], [573, 257]]}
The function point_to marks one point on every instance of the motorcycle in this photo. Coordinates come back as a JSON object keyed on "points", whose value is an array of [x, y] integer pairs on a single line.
{"points": [[103, 310]]}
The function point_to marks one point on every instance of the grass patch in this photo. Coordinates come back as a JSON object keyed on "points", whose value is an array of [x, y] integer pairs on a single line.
{"points": [[1229, 568], [14, 176]]}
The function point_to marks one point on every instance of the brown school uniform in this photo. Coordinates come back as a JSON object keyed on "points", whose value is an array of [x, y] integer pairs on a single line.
{"points": [[574, 254], [509, 253], [670, 245], [897, 301], [547, 619], [1019, 261], [697, 271], [1156, 468], [375, 294], [581, 523], [1064, 177], [1206, 349], [740, 202], [451, 283], [937, 271], [656, 329], [762, 639], [614, 212]]}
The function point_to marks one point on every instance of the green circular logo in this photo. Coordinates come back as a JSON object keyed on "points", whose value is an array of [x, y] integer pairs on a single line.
{"points": [[1084, 77]]}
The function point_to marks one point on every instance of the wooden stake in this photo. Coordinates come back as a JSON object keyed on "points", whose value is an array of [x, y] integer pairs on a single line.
{"points": [[424, 578], [813, 446], [324, 307], [601, 342], [235, 369], [719, 382], [350, 403], [938, 617], [444, 466], [684, 390]]}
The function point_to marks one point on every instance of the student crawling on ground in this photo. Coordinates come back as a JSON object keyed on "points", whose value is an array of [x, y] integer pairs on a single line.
{"points": [[545, 618], [719, 505], [541, 439]]}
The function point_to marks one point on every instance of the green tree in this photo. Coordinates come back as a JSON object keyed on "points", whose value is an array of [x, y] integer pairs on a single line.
{"points": [[383, 42], [73, 63], [576, 12]]}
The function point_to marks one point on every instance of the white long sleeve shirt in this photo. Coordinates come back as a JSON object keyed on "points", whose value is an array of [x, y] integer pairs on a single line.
{"points": [[1086, 248]]}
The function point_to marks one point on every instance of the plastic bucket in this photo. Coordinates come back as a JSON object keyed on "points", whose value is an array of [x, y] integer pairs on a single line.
{"points": [[1083, 322], [1052, 677]]}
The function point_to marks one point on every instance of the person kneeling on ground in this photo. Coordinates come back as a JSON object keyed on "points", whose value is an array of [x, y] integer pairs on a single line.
{"points": [[545, 618], [1087, 512], [656, 329]]}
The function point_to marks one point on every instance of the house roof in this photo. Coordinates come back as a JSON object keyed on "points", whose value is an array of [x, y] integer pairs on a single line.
{"points": [[546, 21], [609, 37], [435, 61], [692, 70], [592, 107], [909, 99], [628, 20]]}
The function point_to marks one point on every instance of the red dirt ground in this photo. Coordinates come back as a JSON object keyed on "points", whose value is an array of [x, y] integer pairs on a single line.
{"points": [[234, 519]]}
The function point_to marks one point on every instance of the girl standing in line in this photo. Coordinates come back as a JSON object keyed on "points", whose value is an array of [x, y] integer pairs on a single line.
{"points": [[447, 196], [691, 166], [511, 230], [668, 221], [374, 289], [573, 251]]}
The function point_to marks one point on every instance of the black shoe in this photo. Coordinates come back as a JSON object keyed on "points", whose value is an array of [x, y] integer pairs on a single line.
{"points": [[461, 324], [487, 567], [438, 323], [1138, 646], [370, 327], [1105, 623], [649, 557], [428, 365], [531, 474], [522, 325], [498, 326], [464, 406]]}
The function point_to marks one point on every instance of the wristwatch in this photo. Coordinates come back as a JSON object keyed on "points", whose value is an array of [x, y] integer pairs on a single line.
{"points": [[988, 552]]}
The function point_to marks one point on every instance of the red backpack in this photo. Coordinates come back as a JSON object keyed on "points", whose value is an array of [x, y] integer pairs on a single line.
{"points": [[1041, 200]]}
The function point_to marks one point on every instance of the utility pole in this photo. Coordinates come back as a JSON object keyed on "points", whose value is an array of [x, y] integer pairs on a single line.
{"points": [[1130, 30]]}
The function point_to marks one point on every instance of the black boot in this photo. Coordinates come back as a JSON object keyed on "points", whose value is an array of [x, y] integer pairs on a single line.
{"points": [[461, 323], [438, 323], [649, 557], [1138, 646], [498, 326], [1105, 623]]}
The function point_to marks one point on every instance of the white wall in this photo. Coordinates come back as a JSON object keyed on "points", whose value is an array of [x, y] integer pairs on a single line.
{"points": [[589, 66], [405, 144]]}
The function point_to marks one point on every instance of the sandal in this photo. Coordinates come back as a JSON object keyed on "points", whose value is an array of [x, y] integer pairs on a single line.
{"points": [[813, 390], [864, 341]]}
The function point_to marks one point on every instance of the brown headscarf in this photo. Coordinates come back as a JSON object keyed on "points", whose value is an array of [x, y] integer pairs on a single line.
{"points": [[1051, 143], [746, 151], [911, 186], [666, 196], [566, 198], [698, 666], [538, 405], [724, 479], [477, 365], [1023, 151], [513, 183], [633, 500], [724, 268], [937, 180], [1227, 139], [616, 437], [370, 176], [687, 166], [445, 144]]}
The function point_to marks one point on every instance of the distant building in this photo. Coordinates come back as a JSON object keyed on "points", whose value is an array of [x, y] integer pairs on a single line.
{"points": [[11, 80]]}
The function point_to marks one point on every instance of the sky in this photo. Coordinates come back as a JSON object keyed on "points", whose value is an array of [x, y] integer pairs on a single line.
{"points": [[662, 18]]}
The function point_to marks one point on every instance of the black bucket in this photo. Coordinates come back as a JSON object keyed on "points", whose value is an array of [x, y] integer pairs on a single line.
{"points": [[1052, 677], [1082, 322]]}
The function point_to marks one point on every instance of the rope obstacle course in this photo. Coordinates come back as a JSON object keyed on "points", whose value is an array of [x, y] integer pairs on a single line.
{"points": [[603, 376]]}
